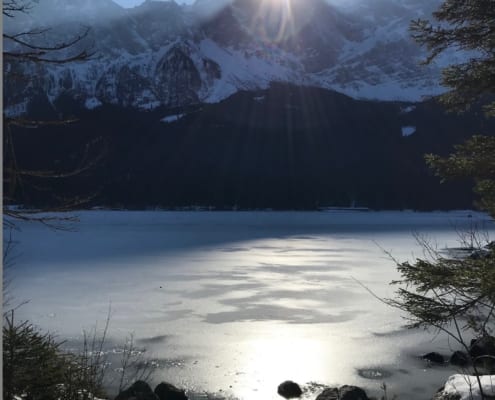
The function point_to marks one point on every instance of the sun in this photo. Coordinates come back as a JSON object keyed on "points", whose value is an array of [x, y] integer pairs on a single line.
{"points": [[274, 20]]}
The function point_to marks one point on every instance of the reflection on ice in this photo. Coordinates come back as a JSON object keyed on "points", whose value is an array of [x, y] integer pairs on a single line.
{"points": [[244, 300]]}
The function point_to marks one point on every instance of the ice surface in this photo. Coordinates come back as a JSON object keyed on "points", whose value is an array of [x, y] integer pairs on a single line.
{"points": [[241, 301]]}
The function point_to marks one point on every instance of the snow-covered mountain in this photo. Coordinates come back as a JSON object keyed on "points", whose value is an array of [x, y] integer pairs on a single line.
{"points": [[163, 54]]}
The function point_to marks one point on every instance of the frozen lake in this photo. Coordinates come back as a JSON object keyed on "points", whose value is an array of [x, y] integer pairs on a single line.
{"points": [[236, 302]]}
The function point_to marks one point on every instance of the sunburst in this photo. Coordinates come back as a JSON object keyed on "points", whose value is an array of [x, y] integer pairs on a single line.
{"points": [[274, 20]]}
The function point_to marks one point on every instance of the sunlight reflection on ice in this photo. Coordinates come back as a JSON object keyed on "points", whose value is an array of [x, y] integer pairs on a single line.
{"points": [[243, 300]]}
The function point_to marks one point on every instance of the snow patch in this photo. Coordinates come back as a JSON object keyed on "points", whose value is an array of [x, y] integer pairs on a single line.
{"points": [[151, 105], [172, 118], [408, 109], [384, 91], [408, 130], [92, 103], [16, 109], [467, 386]]}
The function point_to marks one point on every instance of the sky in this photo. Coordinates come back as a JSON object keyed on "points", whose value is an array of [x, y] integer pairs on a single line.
{"points": [[132, 3]]}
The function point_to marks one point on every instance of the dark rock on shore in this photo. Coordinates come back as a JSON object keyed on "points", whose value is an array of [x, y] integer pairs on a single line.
{"points": [[166, 391], [329, 394], [479, 254], [433, 357], [139, 390], [491, 245], [459, 358], [484, 346], [289, 390], [343, 393]]}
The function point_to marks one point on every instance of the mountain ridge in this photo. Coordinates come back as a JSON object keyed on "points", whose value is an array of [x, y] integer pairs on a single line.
{"points": [[163, 54]]}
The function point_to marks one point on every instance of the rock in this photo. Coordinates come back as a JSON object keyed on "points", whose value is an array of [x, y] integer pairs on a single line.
{"points": [[139, 390], [177, 80], [479, 254], [491, 245], [484, 346], [289, 390], [352, 393], [343, 393], [459, 358], [166, 391], [433, 357], [329, 394], [482, 352]]}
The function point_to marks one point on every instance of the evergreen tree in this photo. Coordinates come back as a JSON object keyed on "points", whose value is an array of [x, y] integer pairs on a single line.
{"points": [[456, 294], [31, 362], [473, 159], [469, 27]]}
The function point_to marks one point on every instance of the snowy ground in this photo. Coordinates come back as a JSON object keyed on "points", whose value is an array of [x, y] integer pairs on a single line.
{"points": [[238, 302], [468, 387]]}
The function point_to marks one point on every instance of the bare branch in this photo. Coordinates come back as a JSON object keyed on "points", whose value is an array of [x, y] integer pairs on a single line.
{"points": [[39, 57], [31, 32], [11, 7], [55, 47]]}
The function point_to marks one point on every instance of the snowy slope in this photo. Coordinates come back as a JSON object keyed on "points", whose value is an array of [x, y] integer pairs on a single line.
{"points": [[163, 54]]}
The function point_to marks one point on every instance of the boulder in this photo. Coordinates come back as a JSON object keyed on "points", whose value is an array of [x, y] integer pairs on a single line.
{"points": [[329, 394], [491, 245], [459, 358], [484, 346], [343, 393], [433, 357], [166, 391], [478, 254], [289, 390], [139, 390], [352, 393]]}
